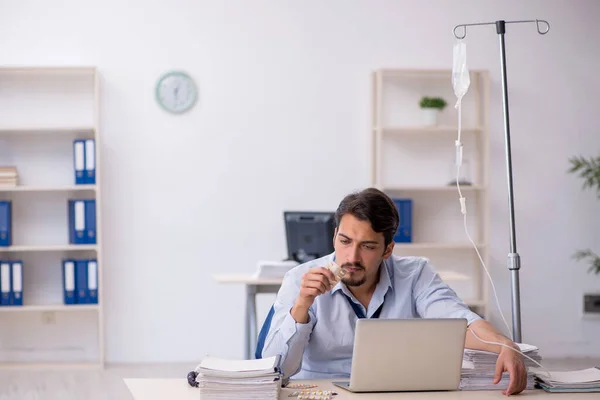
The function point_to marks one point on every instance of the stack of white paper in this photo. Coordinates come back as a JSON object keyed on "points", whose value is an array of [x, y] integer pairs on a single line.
{"points": [[586, 380], [239, 379], [479, 368], [273, 269]]}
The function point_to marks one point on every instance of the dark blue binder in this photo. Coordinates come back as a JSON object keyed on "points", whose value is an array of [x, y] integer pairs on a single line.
{"points": [[79, 161], [404, 232], [77, 225], [5, 283], [92, 281], [81, 282], [16, 297], [90, 221], [69, 280], [90, 161], [5, 223]]}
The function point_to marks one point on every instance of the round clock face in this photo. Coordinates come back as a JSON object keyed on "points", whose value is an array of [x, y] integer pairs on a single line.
{"points": [[176, 92]]}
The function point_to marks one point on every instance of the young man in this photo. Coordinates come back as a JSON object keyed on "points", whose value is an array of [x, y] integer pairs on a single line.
{"points": [[313, 324]]}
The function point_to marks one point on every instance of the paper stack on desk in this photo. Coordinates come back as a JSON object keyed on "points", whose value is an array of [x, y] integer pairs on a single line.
{"points": [[273, 269], [479, 367], [220, 378], [586, 380]]}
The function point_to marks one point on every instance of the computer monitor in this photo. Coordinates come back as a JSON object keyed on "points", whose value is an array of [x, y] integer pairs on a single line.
{"points": [[309, 234]]}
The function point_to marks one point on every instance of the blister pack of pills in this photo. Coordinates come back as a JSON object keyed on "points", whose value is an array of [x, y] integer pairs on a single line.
{"points": [[307, 394]]}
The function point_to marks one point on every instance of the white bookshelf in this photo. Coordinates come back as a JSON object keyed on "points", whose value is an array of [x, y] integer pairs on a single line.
{"points": [[42, 111], [412, 160]]}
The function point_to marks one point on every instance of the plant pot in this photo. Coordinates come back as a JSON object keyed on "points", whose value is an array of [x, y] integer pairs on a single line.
{"points": [[429, 116]]}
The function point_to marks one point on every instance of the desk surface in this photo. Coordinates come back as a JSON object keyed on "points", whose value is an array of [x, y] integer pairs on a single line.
{"points": [[252, 280], [247, 279], [160, 389]]}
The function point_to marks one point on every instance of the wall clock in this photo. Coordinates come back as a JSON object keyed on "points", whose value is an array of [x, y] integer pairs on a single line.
{"points": [[176, 92]]}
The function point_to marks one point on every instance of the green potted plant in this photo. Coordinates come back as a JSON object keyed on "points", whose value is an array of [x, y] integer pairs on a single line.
{"points": [[431, 108], [589, 171]]}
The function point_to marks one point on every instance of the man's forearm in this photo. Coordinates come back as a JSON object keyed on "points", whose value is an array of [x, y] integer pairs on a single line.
{"points": [[289, 339], [487, 332]]}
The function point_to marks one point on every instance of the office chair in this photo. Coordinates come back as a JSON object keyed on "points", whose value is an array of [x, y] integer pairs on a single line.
{"points": [[263, 333]]}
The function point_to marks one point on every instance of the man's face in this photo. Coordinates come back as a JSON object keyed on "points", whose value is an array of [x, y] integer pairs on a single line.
{"points": [[359, 250]]}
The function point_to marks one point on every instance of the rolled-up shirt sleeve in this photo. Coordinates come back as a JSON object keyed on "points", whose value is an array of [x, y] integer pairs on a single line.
{"points": [[286, 337], [435, 299]]}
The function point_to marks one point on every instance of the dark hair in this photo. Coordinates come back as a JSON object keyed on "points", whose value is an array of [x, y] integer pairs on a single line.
{"points": [[374, 206]]}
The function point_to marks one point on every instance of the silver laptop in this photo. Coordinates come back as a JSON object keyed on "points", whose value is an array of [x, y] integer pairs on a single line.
{"points": [[395, 355]]}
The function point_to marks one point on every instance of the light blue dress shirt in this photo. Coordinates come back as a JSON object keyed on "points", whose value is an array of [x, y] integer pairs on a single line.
{"points": [[322, 348]]}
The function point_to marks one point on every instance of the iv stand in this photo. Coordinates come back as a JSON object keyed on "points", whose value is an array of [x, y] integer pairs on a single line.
{"points": [[514, 261]]}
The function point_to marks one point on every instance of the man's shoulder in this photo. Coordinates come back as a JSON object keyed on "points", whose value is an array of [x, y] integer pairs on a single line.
{"points": [[406, 266]]}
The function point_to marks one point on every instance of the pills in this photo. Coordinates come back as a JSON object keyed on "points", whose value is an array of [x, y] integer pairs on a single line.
{"points": [[337, 271], [313, 394]]}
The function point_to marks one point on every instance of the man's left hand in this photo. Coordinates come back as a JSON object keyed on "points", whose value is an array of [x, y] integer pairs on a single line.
{"points": [[512, 362]]}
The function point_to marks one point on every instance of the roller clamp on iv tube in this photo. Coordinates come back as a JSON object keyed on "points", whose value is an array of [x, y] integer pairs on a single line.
{"points": [[514, 260]]}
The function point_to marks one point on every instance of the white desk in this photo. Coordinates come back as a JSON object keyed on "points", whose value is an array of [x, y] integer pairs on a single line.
{"points": [[272, 285], [161, 389], [253, 287]]}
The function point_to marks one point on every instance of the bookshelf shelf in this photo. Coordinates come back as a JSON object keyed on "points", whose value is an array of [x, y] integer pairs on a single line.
{"points": [[417, 73], [48, 248], [44, 130], [44, 110], [436, 246], [34, 188], [447, 188], [41, 366], [414, 159], [425, 130], [50, 308]]}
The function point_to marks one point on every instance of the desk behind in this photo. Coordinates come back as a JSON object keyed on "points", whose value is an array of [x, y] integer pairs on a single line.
{"points": [[253, 287], [160, 389]]}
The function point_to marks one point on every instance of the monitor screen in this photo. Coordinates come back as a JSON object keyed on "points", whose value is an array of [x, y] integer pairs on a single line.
{"points": [[309, 234]]}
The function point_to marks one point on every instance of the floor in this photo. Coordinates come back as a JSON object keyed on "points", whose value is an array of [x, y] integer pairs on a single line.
{"points": [[108, 384]]}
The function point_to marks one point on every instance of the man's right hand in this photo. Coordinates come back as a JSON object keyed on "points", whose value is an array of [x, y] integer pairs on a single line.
{"points": [[315, 282]]}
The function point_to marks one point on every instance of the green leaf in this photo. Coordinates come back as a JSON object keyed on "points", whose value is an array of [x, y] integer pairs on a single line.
{"points": [[593, 259], [588, 170]]}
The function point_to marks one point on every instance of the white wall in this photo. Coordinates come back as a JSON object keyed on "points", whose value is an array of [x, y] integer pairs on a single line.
{"points": [[280, 82]]}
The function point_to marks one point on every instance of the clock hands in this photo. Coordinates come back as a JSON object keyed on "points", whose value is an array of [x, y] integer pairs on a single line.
{"points": [[176, 92]]}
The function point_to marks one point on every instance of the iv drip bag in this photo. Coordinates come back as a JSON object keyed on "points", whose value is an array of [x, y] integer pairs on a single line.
{"points": [[460, 71]]}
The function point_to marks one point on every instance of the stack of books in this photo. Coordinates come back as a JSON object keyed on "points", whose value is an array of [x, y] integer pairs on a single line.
{"points": [[582, 381], [479, 367], [219, 378], [8, 177]]}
